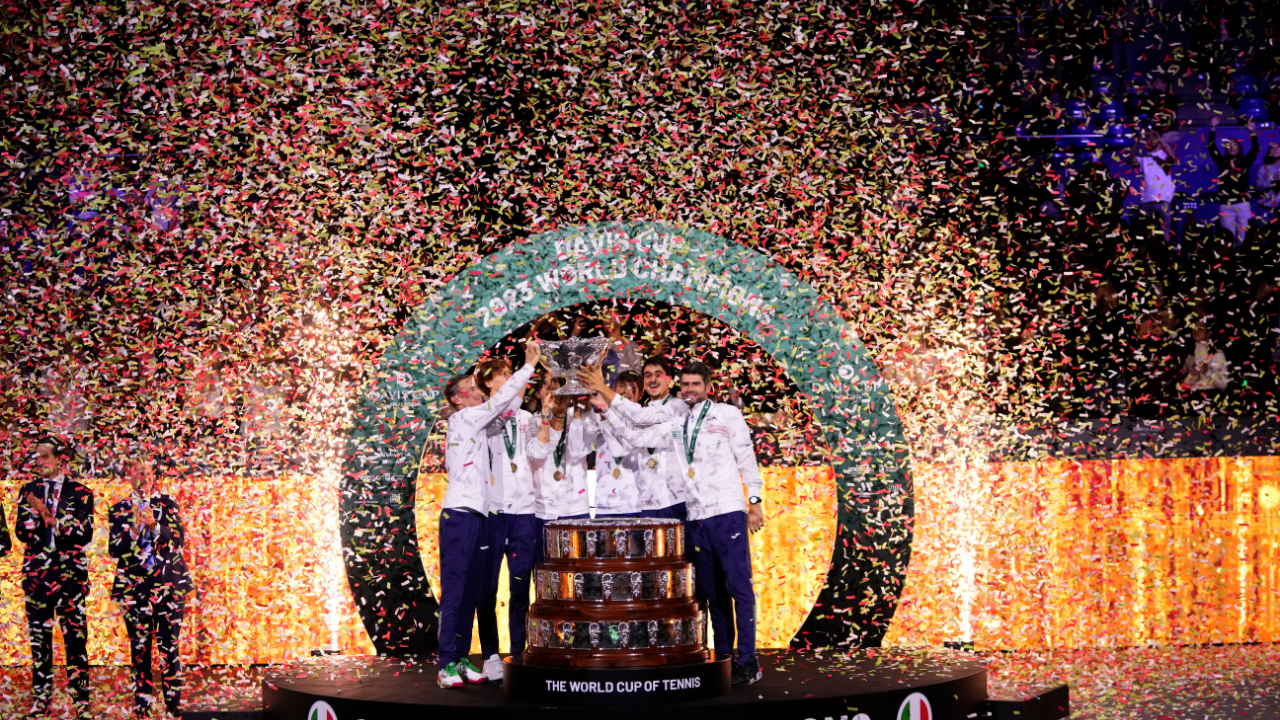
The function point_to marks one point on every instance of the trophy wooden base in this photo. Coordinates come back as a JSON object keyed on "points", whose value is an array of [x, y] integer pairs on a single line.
{"points": [[615, 593]]}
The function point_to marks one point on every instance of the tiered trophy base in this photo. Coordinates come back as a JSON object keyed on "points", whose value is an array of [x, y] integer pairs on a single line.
{"points": [[569, 686]]}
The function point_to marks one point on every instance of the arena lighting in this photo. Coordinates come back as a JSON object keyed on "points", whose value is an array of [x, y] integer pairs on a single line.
{"points": [[326, 351], [1268, 497]]}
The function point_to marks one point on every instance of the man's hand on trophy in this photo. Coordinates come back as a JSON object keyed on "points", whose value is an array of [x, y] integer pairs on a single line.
{"points": [[598, 403], [560, 404], [532, 352], [546, 392], [591, 376]]}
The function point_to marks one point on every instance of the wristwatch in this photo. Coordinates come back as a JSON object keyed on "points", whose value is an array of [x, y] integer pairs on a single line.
{"points": [[754, 499]]}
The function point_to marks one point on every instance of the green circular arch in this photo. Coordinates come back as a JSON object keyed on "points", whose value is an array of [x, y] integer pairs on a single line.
{"points": [[806, 336]]}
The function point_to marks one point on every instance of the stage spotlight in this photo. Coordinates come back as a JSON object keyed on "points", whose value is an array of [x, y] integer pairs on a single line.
{"points": [[1269, 497]]}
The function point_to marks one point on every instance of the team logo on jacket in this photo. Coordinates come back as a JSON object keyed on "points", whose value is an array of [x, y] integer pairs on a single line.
{"points": [[915, 707], [320, 710]]}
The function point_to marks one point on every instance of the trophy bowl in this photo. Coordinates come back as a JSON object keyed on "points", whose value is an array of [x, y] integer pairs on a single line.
{"points": [[563, 358]]}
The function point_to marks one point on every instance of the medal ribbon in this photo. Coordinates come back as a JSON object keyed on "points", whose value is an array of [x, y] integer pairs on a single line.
{"points": [[691, 443], [510, 442], [558, 455]]}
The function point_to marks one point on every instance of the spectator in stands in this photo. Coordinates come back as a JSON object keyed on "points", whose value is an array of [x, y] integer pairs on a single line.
{"points": [[1269, 180], [1121, 35], [162, 199], [544, 328], [1155, 158], [579, 325], [1108, 336], [1093, 200], [1074, 38], [1157, 103], [1156, 351], [1233, 180], [629, 355], [1250, 340], [1206, 367]]}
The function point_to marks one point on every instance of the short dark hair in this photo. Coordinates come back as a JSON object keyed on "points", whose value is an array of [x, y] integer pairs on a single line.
{"points": [[452, 388], [487, 369], [658, 361], [630, 376], [697, 368], [61, 448]]}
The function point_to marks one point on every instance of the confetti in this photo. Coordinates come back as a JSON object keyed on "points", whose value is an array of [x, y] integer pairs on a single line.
{"points": [[220, 220]]}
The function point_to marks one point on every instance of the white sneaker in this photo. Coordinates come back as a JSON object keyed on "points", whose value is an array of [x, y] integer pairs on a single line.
{"points": [[470, 672], [448, 677], [493, 668]]}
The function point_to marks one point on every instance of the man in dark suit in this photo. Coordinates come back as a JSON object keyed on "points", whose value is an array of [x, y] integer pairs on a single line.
{"points": [[5, 542], [55, 522], [151, 584]]}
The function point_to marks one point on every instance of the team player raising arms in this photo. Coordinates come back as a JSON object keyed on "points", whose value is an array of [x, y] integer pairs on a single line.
{"points": [[656, 454]]}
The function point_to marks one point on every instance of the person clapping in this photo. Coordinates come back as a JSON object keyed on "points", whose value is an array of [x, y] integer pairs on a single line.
{"points": [[151, 584]]}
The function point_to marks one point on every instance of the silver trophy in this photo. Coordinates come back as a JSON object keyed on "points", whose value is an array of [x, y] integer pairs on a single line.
{"points": [[564, 357]]}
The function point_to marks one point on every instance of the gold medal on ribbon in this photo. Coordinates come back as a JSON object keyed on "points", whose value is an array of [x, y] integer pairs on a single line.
{"points": [[492, 481], [558, 476], [617, 472], [513, 467], [690, 441], [653, 463]]}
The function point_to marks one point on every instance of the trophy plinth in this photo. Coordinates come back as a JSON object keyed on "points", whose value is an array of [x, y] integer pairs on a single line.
{"points": [[564, 357]]}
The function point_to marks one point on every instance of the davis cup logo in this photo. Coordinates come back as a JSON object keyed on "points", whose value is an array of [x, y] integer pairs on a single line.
{"points": [[320, 710], [915, 707]]}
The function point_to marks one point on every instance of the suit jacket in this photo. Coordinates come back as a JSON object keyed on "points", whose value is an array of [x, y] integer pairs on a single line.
{"points": [[66, 563], [132, 576]]}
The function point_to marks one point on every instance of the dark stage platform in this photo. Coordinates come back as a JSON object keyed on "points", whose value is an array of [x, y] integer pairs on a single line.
{"points": [[896, 684]]}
